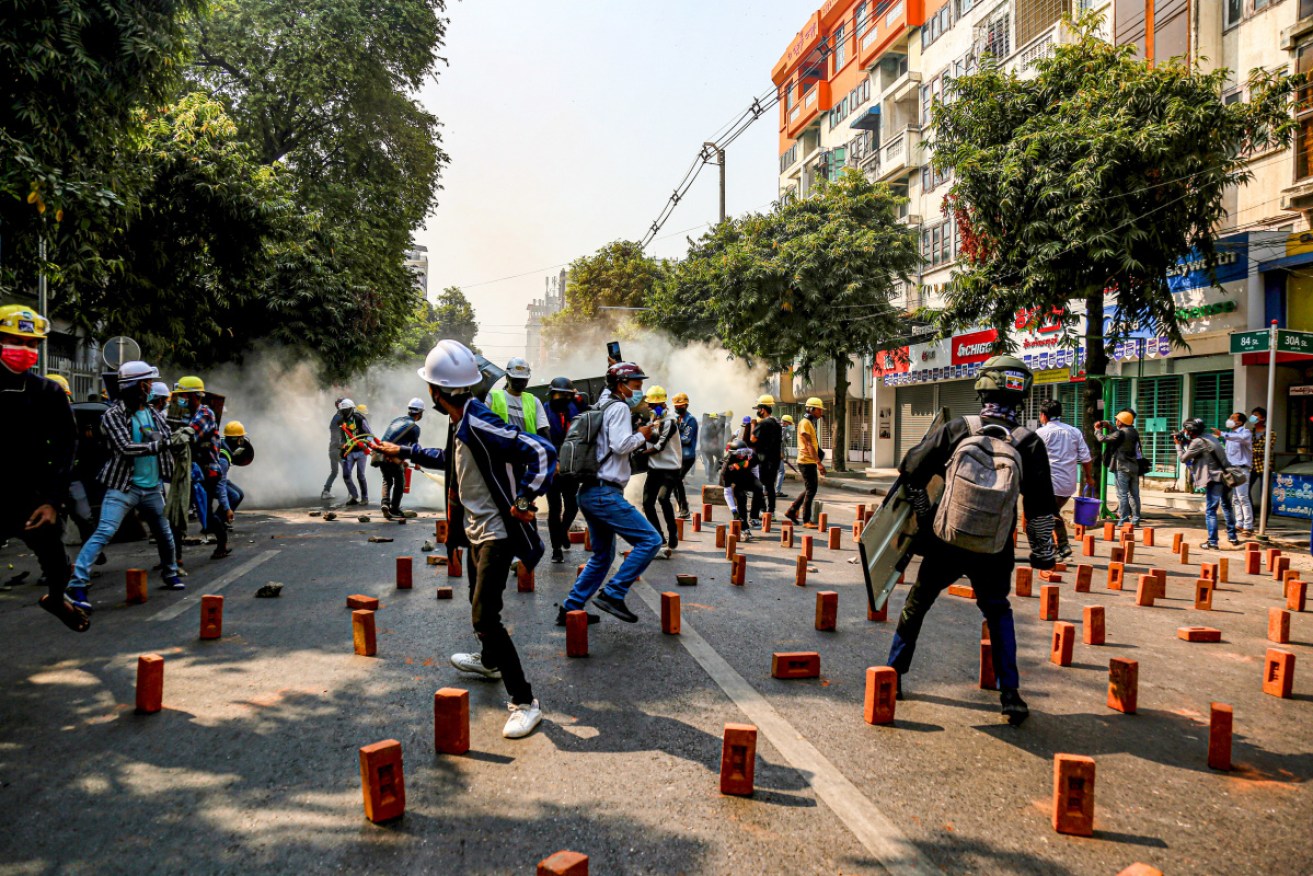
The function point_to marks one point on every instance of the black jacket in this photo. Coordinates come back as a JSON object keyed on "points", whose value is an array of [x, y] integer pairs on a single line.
{"points": [[38, 441], [1121, 449], [769, 441]]}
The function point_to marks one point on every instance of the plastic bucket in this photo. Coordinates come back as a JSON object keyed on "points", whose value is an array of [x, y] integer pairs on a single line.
{"points": [[1086, 511]]}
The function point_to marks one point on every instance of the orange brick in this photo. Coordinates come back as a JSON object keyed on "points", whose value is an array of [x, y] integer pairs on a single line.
{"points": [[731, 546], [739, 574], [1084, 574], [1078, 531], [736, 527], [1073, 794], [1283, 564], [1287, 577], [1220, 718], [1278, 626], [807, 541], [451, 721], [1109, 531], [963, 590], [800, 571], [679, 528], [1144, 593], [1209, 571], [795, 664], [835, 536], [1185, 553], [1279, 673], [1116, 576], [988, 680], [150, 683], [1062, 644], [706, 512], [1123, 685], [524, 581], [670, 613], [686, 579], [1087, 546], [1147, 534], [1048, 602], [580, 570], [881, 695], [766, 520], [1117, 555], [1176, 542], [1203, 594], [861, 513], [878, 616], [405, 573], [738, 759], [136, 586], [577, 536], [453, 563], [827, 610], [1053, 575], [1092, 625], [1024, 580], [786, 535], [697, 522], [1252, 561], [1128, 551], [984, 631], [1272, 555], [1223, 570], [564, 864], [444, 593], [1198, 634], [211, 616], [382, 781], [362, 632], [721, 533], [588, 540], [440, 530], [576, 634], [857, 530], [1160, 586], [361, 601], [822, 521]]}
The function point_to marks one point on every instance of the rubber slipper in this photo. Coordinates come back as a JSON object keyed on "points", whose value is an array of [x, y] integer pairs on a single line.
{"points": [[73, 617]]}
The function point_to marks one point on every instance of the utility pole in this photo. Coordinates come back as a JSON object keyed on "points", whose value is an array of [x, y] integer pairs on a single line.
{"points": [[712, 148]]}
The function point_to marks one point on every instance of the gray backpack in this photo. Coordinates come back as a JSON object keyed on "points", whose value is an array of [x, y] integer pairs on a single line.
{"points": [[978, 507], [577, 459]]}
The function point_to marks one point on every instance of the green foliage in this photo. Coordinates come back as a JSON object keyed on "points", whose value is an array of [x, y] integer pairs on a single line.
{"points": [[451, 317], [619, 274]]}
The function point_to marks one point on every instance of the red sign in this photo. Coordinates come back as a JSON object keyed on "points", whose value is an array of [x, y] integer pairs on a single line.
{"points": [[974, 346], [893, 361]]}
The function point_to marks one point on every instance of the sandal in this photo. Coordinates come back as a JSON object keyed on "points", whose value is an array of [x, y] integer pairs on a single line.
{"points": [[73, 617]]}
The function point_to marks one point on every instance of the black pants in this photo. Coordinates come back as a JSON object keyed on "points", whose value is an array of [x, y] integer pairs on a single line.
{"points": [[681, 498], [45, 542], [394, 484], [809, 484], [490, 564], [770, 473], [562, 508], [658, 487], [748, 495]]}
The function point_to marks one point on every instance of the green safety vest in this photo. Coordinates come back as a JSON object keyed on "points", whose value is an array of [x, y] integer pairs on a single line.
{"points": [[497, 402]]}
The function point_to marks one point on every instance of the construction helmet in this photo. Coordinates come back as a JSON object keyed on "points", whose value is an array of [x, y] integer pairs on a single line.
{"points": [[622, 371], [346, 404], [189, 384], [815, 402], [134, 372], [158, 389], [681, 398], [63, 383], [21, 320], [451, 365], [787, 418], [234, 429], [415, 404], [737, 444], [518, 368], [1126, 418], [656, 395], [363, 408], [561, 384], [767, 401], [1193, 426], [1005, 375]]}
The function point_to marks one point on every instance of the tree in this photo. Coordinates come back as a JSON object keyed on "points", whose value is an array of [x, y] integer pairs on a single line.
{"points": [[1090, 181], [808, 282], [620, 275], [451, 317]]}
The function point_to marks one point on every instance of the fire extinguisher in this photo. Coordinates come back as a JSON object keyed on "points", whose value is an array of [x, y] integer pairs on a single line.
{"points": [[407, 476]]}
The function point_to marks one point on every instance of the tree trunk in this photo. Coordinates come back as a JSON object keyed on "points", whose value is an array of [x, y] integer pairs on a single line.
{"points": [[840, 443], [1096, 364]]}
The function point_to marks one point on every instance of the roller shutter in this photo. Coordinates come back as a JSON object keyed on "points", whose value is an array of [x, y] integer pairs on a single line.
{"points": [[916, 409]]}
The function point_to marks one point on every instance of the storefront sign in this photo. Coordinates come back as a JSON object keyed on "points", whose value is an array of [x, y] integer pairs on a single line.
{"points": [[1052, 375], [1232, 264], [1292, 495], [893, 361], [974, 346], [1301, 390]]}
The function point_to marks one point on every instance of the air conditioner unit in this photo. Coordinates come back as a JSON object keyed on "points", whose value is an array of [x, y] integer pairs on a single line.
{"points": [[913, 219]]}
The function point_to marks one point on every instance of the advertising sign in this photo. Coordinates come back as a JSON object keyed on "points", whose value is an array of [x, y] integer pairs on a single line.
{"points": [[1292, 495]]}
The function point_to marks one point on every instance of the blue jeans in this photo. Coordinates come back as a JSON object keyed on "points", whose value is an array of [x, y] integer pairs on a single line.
{"points": [[1128, 496], [113, 511], [609, 515], [1215, 496], [355, 464]]}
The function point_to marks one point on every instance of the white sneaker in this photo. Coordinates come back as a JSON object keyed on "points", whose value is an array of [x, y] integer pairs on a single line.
{"points": [[473, 663], [522, 720], [325, 496]]}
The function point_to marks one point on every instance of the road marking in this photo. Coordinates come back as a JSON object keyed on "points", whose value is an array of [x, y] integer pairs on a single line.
{"points": [[882, 838], [216, 585]]}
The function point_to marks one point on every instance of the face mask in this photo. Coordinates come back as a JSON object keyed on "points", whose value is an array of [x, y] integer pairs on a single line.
{"points": [[1253, 419], [659, 410], [519, 383], [184, 402], [561, 404], [18, 359], [634, 401]]}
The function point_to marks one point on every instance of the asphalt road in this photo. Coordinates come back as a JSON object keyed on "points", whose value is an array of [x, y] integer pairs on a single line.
{"points": [[252, 765]]}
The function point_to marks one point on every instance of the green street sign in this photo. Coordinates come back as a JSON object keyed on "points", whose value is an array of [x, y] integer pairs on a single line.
{"points": [[1287, 342]]}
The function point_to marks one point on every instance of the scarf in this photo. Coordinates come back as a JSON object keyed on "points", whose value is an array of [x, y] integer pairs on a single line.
{"points": [[999, 412]]}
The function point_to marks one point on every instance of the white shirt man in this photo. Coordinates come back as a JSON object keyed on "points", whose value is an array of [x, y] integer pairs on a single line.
{"points": [[1067, 452]]}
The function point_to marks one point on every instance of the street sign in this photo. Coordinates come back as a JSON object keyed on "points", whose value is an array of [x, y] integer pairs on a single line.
{"points": [[1257, 342]]}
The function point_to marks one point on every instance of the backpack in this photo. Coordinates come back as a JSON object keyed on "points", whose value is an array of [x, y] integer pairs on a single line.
{"points": [[577, 458], [981, 486]]}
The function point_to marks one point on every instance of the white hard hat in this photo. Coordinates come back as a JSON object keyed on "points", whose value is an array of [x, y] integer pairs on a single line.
{"points": [[415, 405], [345, 404], [518, 368], [159, 389], [137, 372], [451, 365]]}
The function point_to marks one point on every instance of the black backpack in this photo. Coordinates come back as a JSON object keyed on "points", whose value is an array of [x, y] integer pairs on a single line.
{"points": [[577, 459]]}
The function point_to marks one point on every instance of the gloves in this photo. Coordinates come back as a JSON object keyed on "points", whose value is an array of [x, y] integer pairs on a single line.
{"points": [[1043, 553]]}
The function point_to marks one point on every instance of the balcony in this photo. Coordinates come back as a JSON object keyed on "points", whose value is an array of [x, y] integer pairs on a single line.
{"points": [[904, 87], [901, 153], [1024, 59], [889, 22], [816, 101]]}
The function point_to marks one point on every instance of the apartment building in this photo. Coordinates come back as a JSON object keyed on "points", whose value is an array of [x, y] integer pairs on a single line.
{"points": [[856, 85]]}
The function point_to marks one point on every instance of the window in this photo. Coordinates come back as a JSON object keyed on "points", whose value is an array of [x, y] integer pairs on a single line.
{"points": [[1304, 115], [938, 244], [1305, 8], [840, 49], [860, 20], [937, 25], [964, 6], [788, 98], [1232, 10], [834, 167], [1259, 4]]}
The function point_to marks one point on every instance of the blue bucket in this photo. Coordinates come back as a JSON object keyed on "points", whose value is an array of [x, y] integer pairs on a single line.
{"points": [[1086, 511]]}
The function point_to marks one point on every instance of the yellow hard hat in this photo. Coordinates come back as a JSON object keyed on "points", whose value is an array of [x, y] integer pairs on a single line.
{"points": [[62, 381], [814, 402], [189, 384], [21, 320], [1126, 418], [767, 400], [364, 409], [681, 398], [788, 418], [234, 429], [656, 395]]}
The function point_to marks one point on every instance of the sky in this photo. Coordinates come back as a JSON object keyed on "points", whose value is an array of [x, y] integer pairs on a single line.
{"points": [[569, 123]]}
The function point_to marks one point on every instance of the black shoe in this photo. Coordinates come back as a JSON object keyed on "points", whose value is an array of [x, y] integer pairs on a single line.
{"points": [[353, 501], [558, 556], [616, 608], [683, 514], [102, 559], [898, 690], [387, 512], [1014, 707], [220, 553], [1064, 553], [560, 616]]}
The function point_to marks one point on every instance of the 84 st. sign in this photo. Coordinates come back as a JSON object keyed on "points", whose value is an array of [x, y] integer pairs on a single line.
{"points": [[1287, 342]]}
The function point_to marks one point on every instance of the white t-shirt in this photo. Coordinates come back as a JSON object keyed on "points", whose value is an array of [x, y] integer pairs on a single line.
{"points": [[1067, 450], [483, 520], [515, 410]]}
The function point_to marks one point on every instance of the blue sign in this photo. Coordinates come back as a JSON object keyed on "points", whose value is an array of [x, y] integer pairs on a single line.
{"points": [[1292, 495], [1232, 264]]}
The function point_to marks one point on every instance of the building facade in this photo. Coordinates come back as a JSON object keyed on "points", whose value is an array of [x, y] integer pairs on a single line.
{"points": [[856, 86], [417, 260], [553, 301]]}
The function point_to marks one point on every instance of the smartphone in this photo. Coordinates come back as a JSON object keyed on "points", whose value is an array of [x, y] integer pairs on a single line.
{"points": [[613, 351]]}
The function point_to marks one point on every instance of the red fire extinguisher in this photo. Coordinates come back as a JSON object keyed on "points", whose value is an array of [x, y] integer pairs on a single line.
{"points": [[407, 476]]}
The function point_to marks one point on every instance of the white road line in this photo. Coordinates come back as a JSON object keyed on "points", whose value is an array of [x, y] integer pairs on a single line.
{"points": [[882, 838], [216, 585]]}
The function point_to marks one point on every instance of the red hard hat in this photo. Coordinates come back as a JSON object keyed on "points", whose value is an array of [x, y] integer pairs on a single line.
{"points": [[625, 371]]}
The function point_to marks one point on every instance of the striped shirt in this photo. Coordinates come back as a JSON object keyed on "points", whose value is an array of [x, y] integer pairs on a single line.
{"points": [[116, 423]]}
